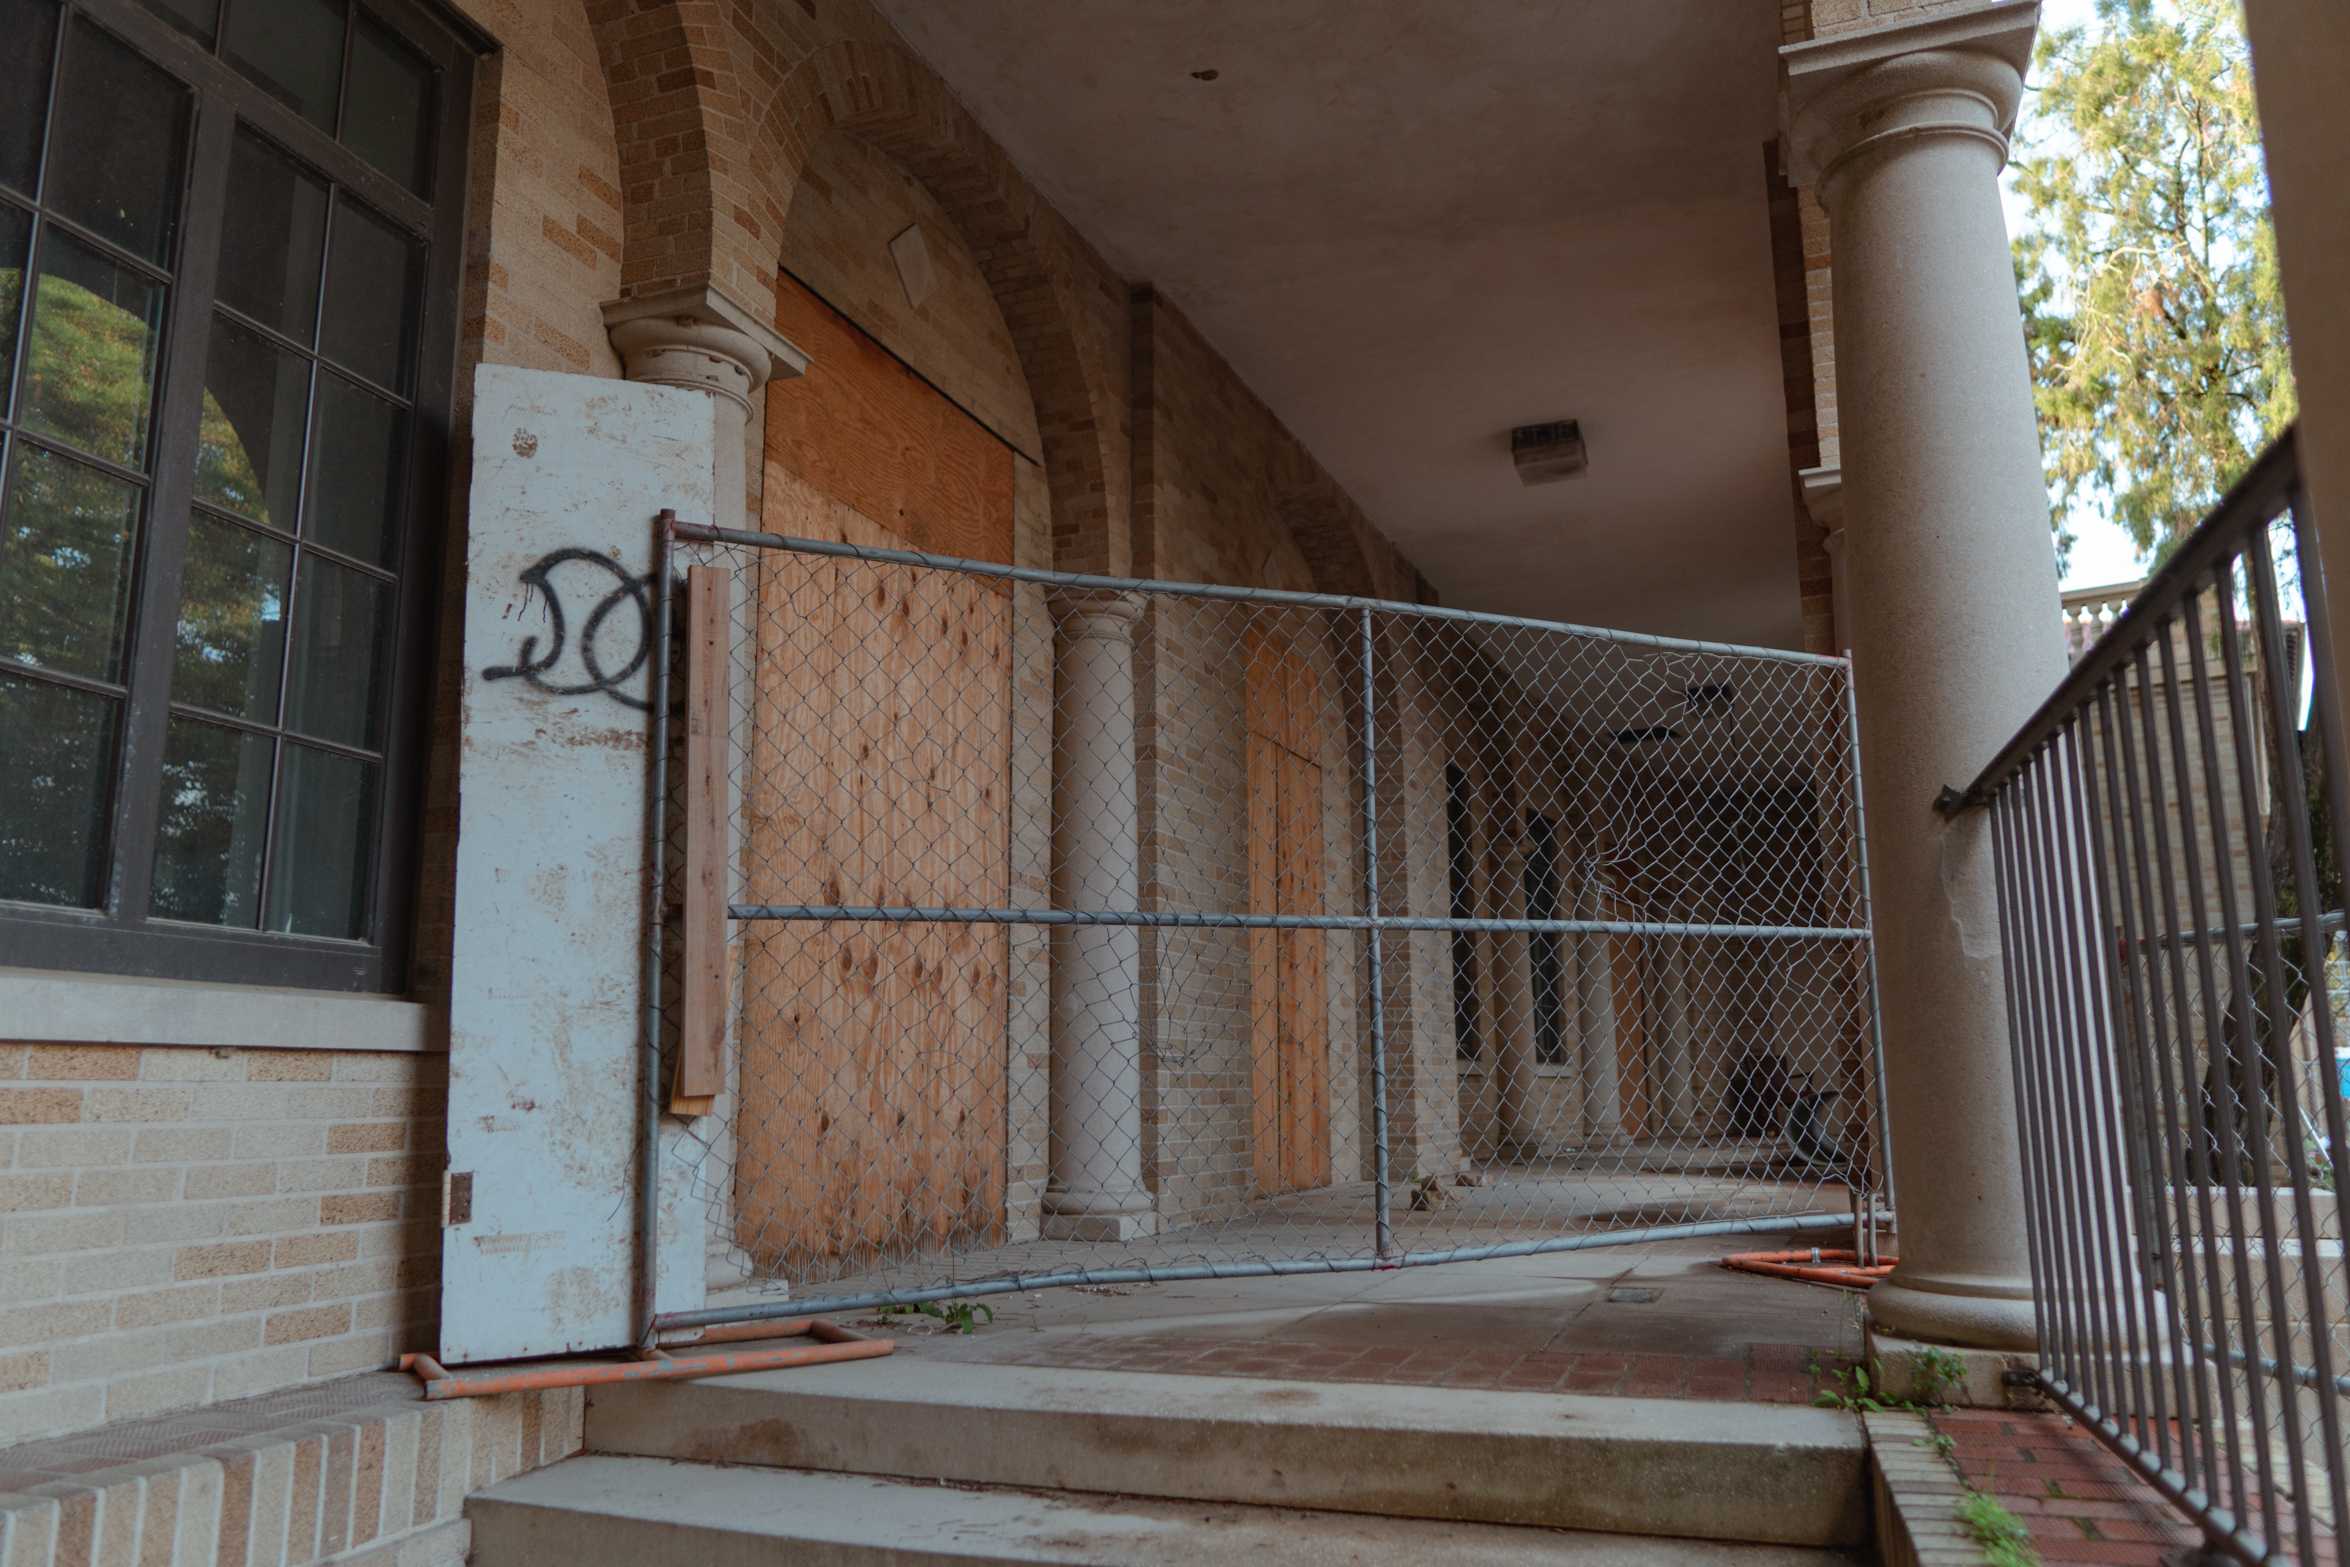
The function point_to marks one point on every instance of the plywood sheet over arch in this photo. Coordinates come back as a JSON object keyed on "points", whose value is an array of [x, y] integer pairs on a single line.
{"points": [[873, 1117], [852, 204]]}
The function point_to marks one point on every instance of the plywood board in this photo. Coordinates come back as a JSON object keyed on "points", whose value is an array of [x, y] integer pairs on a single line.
{"points": [[863, 429], [874, 1057]]}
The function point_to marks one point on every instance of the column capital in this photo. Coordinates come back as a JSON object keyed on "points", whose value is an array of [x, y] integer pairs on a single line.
{"points": [[1097, 614], [1823, 498], [1881, 88], [699, 339]]}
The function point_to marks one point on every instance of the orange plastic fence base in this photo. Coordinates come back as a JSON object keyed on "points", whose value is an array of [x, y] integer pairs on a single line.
{"points": [[1815, 1265]]}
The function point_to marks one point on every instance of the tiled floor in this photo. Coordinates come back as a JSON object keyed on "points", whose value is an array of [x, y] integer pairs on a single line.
{"points": [[2081, 1503]]}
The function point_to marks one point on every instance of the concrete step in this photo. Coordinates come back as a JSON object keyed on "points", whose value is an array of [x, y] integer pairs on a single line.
{"points": [[658, 1513], [1742, 1472]]}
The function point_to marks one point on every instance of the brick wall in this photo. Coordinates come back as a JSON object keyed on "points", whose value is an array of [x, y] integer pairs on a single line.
{"points": [[184, 1225]]}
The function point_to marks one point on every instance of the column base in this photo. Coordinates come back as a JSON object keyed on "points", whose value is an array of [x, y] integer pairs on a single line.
{"points": [[1964, 1312], [1955, 1375], [1100, 1226]]}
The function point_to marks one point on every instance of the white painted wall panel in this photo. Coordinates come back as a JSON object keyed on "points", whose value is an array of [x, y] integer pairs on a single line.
{"points": [[545, 1056]]}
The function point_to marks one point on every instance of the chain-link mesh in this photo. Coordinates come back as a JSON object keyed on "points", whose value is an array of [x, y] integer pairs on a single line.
{"points": [[1101, 931]]}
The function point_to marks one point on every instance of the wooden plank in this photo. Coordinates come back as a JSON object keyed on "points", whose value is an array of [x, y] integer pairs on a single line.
{"points": [[1305, 1067], [700, 1068]]}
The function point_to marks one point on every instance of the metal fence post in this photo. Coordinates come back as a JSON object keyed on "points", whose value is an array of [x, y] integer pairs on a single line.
{"points": [[1382, 1189], [1860, 852]]}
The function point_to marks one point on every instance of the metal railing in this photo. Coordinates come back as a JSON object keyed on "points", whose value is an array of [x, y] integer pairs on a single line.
{"points": [[2167, 830], [1082, 930]]}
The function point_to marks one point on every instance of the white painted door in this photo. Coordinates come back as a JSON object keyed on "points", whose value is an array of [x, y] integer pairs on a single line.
{"points": [[539, 1212]]}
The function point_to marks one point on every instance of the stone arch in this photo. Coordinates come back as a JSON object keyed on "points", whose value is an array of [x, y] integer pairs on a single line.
{"points": [[873, 89], [676, 118], [1329, 529]]}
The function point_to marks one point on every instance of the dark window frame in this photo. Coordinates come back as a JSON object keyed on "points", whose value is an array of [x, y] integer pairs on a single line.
{"points": [[119, 936]]}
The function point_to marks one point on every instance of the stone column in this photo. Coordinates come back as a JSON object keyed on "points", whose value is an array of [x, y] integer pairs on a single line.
{"points": [[1679, 1086], [1955, 635], [699, 339], [1595, 1021], [1516, 1104], [1096, 1192]]}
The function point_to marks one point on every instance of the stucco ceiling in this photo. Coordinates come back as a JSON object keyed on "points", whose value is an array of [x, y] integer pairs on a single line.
{"points": [[1411, 226]]}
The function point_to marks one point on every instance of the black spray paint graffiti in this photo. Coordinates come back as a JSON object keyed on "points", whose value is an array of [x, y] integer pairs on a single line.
{"points": [[533, 665]]}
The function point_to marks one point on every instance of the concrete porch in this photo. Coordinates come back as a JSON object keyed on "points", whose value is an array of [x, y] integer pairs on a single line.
{"points": [[1633, 1404]]}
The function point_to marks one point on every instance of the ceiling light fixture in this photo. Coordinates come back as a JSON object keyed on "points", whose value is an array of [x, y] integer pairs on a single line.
{"points": [[1547, 453]]}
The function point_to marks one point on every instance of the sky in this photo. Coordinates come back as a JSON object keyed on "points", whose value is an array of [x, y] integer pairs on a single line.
{"points": [[2102, 552]]}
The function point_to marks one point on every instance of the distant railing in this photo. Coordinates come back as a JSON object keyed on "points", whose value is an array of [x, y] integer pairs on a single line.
{"points": [[2165, 831], [2090, 612]]}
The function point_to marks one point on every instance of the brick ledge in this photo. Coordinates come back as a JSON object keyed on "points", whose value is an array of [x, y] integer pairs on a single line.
{"points": [[356, 1471]]}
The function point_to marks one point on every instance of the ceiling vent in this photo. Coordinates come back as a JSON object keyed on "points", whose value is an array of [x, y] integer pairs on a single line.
{"points": [[1547, 453]]}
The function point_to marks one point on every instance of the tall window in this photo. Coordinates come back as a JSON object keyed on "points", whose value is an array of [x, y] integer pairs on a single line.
{"points": [[1460, 855], [228, 265]]}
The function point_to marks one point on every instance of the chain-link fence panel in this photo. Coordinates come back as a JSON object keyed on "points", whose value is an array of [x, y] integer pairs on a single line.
{"points": [[1089, 930]]}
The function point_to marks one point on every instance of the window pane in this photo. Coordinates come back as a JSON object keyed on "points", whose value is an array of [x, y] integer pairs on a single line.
{"points": [[56, 765], [116, 155], [232, 622], [325, 845], [96, 331], [272, 239], [16, 227], [197, 18], [249, 442], [215, 813], [65, 566], [294, 48], [370, 296], [354, 504], [30, 26], [389, 118], [342, 630]]}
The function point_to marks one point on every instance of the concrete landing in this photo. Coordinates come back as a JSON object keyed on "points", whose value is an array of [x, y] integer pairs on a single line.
{"points": [[663, 1514], [1673, 1467]]}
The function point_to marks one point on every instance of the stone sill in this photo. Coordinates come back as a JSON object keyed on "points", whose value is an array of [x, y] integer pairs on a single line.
{"points": [[53, 1006]]}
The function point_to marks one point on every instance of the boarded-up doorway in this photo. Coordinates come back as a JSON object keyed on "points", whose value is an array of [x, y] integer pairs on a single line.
{"points": [[1288, 995], [873, 1063]]}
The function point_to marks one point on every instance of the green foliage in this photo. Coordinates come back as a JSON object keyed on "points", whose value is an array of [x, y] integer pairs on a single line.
{"points": [[2148, 267], [2001, 1534], [1935, 1373], [960, 1316]]}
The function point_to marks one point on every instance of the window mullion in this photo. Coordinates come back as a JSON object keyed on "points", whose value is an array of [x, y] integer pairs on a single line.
{"points": [[180, 407]]}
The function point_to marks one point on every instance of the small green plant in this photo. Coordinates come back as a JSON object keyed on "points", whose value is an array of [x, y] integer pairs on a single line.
{"points": [[1936, 1373], [1941, 1444], [1933, 1373], [1852, 1391], [2001, 1534], [960, 1316]]}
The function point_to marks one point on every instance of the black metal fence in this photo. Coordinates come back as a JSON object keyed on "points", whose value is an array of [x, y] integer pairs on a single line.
{"points": [[2168, 830]]}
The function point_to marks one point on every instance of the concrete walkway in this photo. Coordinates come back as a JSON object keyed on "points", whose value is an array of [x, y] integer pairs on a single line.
{"points": [[1660, 1321]]}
